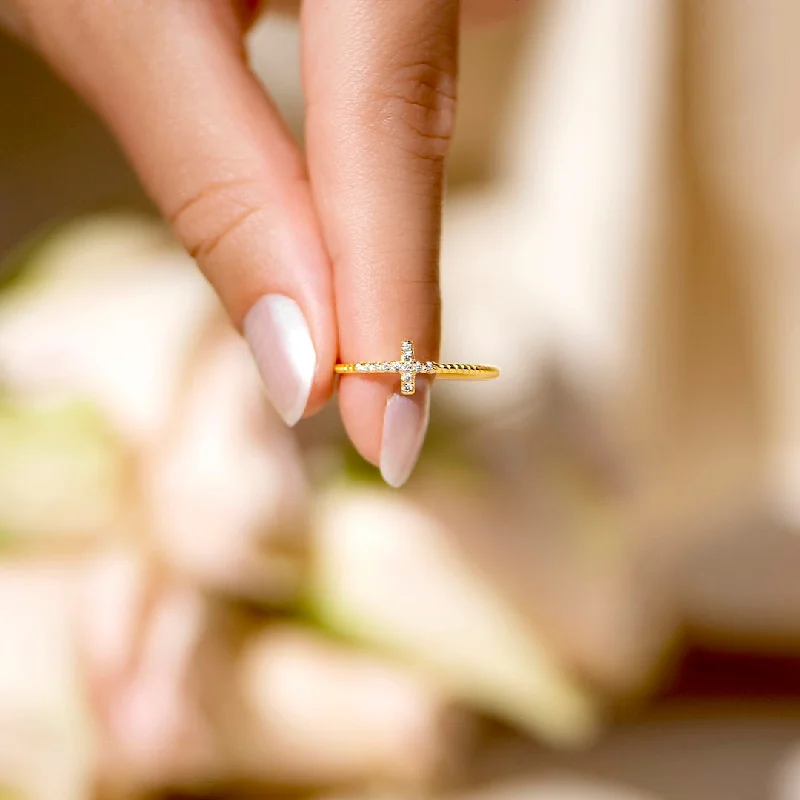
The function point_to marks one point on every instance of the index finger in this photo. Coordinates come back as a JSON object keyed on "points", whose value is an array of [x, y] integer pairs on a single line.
{"points": [[380, 80]]}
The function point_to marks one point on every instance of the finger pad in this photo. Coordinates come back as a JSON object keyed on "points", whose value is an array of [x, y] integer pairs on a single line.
{"points": [[362, 402]]}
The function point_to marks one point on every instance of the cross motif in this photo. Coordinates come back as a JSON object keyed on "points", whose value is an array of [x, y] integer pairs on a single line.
{"points": [[408, 375], [407, 366]]}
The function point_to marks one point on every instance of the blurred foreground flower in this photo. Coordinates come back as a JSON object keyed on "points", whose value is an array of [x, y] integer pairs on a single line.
{"points": [[132, 412], [46, 731], [387, 575], [193, 693], [152, 422]]}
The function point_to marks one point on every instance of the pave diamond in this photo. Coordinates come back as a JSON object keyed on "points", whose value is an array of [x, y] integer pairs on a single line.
{"points": [[407, 366], [408, 369]]}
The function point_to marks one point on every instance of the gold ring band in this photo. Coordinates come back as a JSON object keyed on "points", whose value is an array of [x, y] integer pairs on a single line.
{"points": [[408, 368]]}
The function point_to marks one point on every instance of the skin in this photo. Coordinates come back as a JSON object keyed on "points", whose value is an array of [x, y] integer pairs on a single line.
{"points": [[349, 229]]}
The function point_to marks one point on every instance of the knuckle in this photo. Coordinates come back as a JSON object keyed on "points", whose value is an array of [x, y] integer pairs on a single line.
{"points": [[421, 292], [217, 216], [418, 104]]}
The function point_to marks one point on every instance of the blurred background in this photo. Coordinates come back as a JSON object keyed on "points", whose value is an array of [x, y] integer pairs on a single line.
{"points": [[590, 590]]}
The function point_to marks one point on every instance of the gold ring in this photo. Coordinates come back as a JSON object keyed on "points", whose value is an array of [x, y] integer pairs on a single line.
{"points": [[408, 368]]}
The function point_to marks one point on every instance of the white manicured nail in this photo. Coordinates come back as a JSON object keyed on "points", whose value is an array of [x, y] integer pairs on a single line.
{"points": [[405, 423], [280, 339]]}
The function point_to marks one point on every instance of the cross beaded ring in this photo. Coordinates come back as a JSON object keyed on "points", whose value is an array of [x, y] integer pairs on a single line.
{"points": [[408, 368]]}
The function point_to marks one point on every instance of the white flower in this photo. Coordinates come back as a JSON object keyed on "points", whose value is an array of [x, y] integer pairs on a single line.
{"points": [[387, 574]]}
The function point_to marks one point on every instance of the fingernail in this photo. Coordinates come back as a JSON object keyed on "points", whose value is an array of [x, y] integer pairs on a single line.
{"points": [[405, 422], [278, 335]]}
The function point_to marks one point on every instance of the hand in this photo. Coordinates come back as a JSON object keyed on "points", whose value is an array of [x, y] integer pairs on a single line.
{"points": [[332, 250]]}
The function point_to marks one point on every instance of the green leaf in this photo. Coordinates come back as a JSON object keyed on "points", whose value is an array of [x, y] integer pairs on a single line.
{"points": [[61, 473]]}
